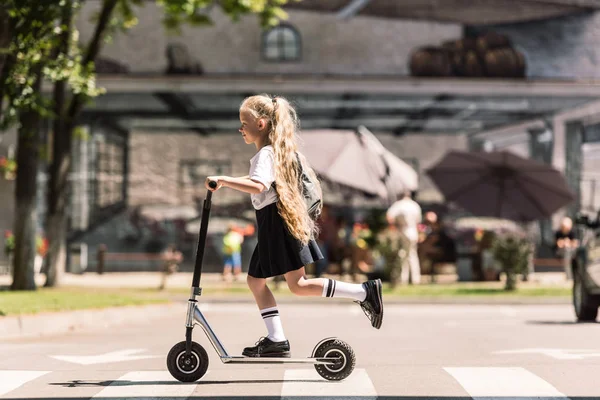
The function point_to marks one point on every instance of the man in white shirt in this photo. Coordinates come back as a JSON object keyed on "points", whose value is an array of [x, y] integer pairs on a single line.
{"points": [[406, 214]]}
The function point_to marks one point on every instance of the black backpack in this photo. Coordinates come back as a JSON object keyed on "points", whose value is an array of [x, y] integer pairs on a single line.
{"points": [[311, 190]]}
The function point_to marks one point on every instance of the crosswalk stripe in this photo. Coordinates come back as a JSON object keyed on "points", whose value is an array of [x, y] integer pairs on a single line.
{"points": [[500, 382], [10, 380], [306, 382], [147, 384]]}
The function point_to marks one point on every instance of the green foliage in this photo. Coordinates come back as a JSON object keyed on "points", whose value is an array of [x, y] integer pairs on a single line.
{"points": [[377, 222], [81, 133], [9, 242], [36, 30], [8, 165], [196, 12], [35, 34], [512, 252]]}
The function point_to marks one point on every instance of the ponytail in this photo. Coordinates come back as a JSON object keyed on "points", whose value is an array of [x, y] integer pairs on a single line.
{"points": [[283, 129]]}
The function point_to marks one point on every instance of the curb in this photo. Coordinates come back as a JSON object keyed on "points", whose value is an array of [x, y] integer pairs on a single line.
{"points": [[45, 324]]}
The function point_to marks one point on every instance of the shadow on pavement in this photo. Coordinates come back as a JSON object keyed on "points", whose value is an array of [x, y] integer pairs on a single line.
{"points": [[326, 398], [78, 383], [559, 323]]}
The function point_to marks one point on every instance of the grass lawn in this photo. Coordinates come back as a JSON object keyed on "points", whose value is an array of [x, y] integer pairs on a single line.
{"points": [[74, 298], [480, 289], [71, 298]]}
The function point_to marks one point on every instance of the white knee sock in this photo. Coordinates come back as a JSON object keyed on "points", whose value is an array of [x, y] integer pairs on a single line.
{"points": [[344, 290], [273, 322]]}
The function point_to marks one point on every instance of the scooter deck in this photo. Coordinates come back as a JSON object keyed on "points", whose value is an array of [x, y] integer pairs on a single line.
{"points": [[277, 360]]}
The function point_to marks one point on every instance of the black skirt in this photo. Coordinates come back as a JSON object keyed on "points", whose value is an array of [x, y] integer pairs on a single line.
{"points": [[277, 251]]}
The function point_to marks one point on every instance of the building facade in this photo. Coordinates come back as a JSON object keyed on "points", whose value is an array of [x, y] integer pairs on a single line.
{"points": [[170, 115]]}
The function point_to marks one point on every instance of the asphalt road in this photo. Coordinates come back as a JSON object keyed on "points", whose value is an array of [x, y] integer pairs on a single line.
{"points": [[421, 351]]}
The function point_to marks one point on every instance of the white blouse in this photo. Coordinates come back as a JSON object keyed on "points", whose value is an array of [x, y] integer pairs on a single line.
{"points": [[262, 170]]}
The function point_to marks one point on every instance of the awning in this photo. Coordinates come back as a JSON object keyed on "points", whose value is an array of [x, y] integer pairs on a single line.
{"points": [[209, 104], [470, 12]]}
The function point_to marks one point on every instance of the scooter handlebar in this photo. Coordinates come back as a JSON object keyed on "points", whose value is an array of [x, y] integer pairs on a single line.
{"points": [[212, 184]]}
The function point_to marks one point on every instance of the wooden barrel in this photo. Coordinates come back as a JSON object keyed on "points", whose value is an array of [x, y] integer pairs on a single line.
{"points": [[505, 63], [462, 45], [489, 41], [430, 61], [458, 49], [472, 65]]}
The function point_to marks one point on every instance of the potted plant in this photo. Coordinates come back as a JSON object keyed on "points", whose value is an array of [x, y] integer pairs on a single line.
{"points": [[9, 247], [8, 168], [9, 242], [512, 253], [41, 249]]}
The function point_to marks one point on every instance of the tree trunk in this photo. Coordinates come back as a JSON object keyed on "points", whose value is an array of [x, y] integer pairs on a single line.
{"points": [[28, 146], [6, 60], [511, 281], [60, 168]]}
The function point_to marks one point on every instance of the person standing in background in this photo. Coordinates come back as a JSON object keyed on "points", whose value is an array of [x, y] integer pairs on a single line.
{"points": [[171, 259], [232, 250], [406, 215]]}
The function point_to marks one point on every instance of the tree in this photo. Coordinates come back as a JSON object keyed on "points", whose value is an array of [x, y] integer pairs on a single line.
{"points": [[28, 58], [38, 42], [119, 14]]}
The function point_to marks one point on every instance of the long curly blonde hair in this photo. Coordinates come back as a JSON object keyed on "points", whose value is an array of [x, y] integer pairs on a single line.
{"points": [[283, 125]]}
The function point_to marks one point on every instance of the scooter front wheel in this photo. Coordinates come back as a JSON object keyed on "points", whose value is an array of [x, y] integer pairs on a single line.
{"points": [[335, 348], [187, 368]]}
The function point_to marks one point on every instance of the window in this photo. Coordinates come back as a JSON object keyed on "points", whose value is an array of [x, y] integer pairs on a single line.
{"points": [[192, 174], [281, 43], [110, 171]]}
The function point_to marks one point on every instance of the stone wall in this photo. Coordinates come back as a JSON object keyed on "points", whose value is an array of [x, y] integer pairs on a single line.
{"points": [[155, 158], [565, 47], [360, 45]]}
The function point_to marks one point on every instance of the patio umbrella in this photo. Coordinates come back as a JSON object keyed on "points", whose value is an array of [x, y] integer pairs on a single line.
{"points": [[501, 184], [356, 159]]}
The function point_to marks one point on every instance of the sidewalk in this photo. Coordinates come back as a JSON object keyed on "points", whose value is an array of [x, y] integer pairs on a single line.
{"points": [[44, 324], [213, 280]]}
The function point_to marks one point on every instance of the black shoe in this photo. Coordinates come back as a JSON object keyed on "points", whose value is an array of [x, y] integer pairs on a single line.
{"points": [[373, 303], [267, 348]]}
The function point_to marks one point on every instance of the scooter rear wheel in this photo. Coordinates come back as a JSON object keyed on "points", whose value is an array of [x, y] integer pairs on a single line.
{"points": [[188, 368], [337, 349]]}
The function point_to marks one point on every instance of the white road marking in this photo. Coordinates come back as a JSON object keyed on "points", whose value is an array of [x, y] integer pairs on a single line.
{"points": [[307, 382], [115, 356], [559, 354], [500, 382], [10, 380], [147, 385]]}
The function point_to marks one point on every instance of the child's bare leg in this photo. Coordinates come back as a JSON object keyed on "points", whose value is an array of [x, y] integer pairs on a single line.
{"points": [[276, 345], [368, 293], [262, 294], [301, 286]]}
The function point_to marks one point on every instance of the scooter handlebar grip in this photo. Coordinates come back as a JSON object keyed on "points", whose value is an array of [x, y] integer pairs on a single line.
{"points": [[212, 184]]}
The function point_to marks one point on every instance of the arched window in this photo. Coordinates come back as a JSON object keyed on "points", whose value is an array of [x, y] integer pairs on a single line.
{"points": [[281, 43]]}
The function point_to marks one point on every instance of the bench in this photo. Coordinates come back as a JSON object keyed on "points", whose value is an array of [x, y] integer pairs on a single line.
{"points": [[132, 256], [550, 264], [128, 261]]}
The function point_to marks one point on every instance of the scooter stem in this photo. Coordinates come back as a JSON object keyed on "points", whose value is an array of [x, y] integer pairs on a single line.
{"points": [[196, 290]]}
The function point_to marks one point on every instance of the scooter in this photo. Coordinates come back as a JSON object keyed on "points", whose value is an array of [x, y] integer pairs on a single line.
{"points": [[187, 361]]}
